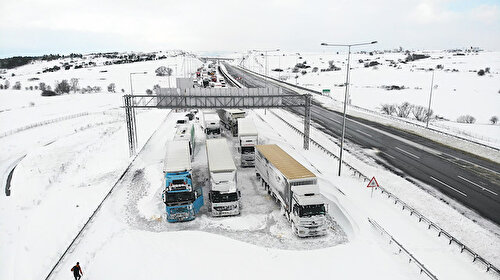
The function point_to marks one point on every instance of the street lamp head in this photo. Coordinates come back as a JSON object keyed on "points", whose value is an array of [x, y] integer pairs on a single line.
{"points": [[374, 42], [324, 44], [145, 72]]}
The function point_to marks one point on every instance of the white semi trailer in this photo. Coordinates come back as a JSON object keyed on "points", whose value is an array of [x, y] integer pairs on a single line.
{"points": [[211, 124], [224, 195], [295, 187], [247, 140]]}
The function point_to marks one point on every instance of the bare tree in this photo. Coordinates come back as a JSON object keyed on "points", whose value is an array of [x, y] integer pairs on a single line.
{"points": [[421, 113], [404, 110], [388, 109], [466, 119], [74, 84], [17, 85]]}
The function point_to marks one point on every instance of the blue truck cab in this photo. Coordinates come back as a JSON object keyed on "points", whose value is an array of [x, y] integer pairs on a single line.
{"points": [[181, 200]]}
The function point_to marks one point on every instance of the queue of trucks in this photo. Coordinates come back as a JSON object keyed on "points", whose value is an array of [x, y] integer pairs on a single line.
{"points": [[293, 186], [207, 76]]}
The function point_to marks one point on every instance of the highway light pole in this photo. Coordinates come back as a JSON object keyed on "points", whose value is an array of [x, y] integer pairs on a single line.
{"points": [[266, 51], [134, 135], [346, 90], [430, 99]]}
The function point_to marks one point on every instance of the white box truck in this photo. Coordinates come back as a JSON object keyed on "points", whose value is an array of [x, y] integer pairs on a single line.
{"points": [[247, 140], [224, 196], [295, 187], [211, 124]]}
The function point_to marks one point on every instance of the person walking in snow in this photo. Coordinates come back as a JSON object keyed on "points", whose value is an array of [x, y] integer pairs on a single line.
{"points": [[77, 271]]}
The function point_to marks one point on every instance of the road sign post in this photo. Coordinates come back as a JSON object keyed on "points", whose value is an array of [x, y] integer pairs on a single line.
{"points": [[372, 184]]}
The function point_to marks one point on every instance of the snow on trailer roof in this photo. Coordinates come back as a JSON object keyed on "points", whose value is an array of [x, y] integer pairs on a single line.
{"points": [[285, 163], [219, 156], [235, 111], [177, 157], [183, 132], [246, 127]]}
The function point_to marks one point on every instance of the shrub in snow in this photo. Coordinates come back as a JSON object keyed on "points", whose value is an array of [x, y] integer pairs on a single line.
{"points": [[421, 113], [62, 87], [388, 109], [303, 72], [42, 86], [1, 86], [6, 85], [480, 72], [163, 71], [17, 86], [156, 89], [404, 110], [487, 70], [494, 120], [315, 69], [466, 119], [149, 92], [111, 87], [31, 87], [123, 90], [48, 93]]}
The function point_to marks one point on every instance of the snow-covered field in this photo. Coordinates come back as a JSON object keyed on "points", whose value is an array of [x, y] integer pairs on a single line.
{"points": [[67, 166], [458, 89]]}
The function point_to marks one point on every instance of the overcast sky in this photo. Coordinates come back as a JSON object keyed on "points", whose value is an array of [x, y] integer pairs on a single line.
{"points": [[64, 26]]}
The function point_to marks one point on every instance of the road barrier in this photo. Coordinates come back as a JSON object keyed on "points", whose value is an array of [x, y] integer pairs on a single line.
{"points": [[403, 249], [441, 232]]}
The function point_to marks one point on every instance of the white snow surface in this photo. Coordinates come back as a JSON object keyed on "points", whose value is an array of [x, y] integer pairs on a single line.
{"points": [[70, 164], [458, 93]]}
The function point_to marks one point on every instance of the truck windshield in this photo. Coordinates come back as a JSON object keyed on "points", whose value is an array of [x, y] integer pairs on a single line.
{"points": [[225, 197], [311, 210], [178, 197], [247, 150]]}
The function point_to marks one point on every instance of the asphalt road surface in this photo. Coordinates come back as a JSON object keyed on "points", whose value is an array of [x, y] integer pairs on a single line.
{"points": [[468, 179]]}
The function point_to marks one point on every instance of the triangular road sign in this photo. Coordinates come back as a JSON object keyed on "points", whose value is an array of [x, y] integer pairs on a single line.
{"points": [[373, 183]]}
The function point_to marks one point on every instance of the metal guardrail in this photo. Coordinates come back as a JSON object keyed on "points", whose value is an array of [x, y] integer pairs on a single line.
{"points": [[37, 124], [403, 249], [405, 206], [377, 113]]}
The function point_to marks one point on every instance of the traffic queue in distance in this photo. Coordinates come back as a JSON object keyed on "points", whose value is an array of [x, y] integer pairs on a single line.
{"points": [[208, 76], [291, 184]]}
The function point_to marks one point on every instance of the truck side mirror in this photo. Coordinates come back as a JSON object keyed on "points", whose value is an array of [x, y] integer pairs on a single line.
{"points": [[210, 197], [239, 193]]}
